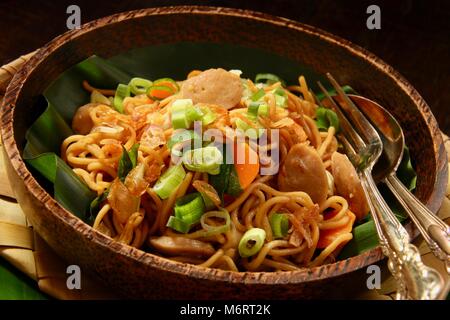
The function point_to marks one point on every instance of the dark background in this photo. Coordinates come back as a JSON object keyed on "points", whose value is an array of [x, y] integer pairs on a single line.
{"points": [[414, 36]]}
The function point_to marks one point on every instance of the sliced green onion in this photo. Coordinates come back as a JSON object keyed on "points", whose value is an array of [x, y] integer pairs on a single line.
{"points": [[207, 159], [178, 225], [258, 95], [268, 78], [279, 223], [97, 97], [179, 115], [251, 242], [139, 85], [179, 120], [263, 110], [190, 208], [214, 230], [252, 110], [193, 114], [169, 181], [208, 116], [280, 97], [252, 133], [181, 136], [162, 80], [326, 118], [122, 92]]}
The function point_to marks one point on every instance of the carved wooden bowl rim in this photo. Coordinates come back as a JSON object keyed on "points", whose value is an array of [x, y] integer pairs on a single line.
{"points": [[157, 262]]}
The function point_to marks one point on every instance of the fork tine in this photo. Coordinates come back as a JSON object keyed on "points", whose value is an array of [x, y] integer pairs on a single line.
{"points": [[348, 129], [363, 125]]}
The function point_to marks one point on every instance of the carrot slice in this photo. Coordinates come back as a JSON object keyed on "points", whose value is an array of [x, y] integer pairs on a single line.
{"points": [[159, 92], [328, 236], [246, 162]]}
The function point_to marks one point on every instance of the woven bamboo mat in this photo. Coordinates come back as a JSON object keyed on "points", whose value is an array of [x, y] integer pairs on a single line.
{"points": [[26, 251]]}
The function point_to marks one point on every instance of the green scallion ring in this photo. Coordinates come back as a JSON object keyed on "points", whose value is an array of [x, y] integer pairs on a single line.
{"points": [[122, 92], [178, 225], [139, 85], [162, 80], [268, 78], [190, 208], [279, 223], [213, 230], [258, 95], [251, 242], [169, 181]]}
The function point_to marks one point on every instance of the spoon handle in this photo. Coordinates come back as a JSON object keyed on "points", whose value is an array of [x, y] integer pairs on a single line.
{"points": [[435, 231], [415, 280]]}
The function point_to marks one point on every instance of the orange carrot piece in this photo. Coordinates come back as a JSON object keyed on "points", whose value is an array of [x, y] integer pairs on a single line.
{"points": [[246, 164], [160, 94], [328, 236]]}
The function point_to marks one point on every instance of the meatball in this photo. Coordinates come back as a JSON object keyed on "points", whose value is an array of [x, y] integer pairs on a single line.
{"points": [[213, 86], [303, 170]]}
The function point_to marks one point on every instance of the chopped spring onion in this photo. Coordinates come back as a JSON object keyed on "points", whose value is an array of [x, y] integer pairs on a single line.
{"points": [[279, 223], [268, 78], [326, 118], [97, 97], [280, 97], [251, 242], [263, 110], [181, 136], [178, 225], [139, 85], [208, 116], [252, 110], [207, 159], [193, 114], [184, 114], [252, 133], [258, 95], [122, 92], [169, 181], [168, 82], [190, 208], [214, 230]]}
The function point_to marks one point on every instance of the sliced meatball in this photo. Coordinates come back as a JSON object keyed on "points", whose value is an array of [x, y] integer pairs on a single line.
{"points": [[348, 185], [303, 170], [82, 122], [179, 246], [213, 86]]}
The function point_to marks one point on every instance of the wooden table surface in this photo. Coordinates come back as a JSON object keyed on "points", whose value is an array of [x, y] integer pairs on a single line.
{"points": [[414, 36]]}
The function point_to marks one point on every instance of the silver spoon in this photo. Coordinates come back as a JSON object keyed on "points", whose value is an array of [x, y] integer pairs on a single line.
{"points": [[435, 232]]}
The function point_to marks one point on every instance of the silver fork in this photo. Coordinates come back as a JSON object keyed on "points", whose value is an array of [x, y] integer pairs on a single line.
{"points": [[364, 147]]}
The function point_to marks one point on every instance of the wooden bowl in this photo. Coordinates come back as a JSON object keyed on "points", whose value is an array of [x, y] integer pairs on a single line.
{"points": [[135, 273]]}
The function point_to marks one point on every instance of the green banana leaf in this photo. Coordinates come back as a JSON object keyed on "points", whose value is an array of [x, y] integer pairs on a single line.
{"points": [[16, 286], [66, 94]]}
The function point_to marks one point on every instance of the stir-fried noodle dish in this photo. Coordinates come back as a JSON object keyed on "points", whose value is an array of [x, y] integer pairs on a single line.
{"points": [[217, 170]]}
